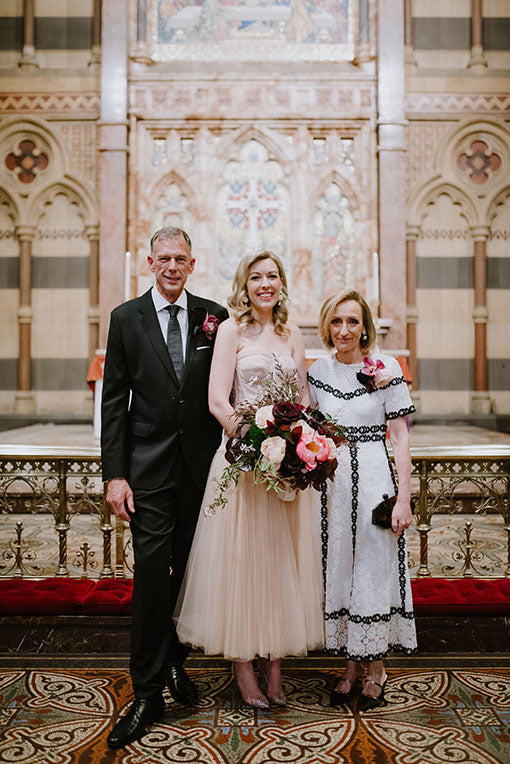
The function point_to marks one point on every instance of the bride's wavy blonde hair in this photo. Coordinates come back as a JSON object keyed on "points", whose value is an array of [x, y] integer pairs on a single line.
{"points": [[239, 303]]}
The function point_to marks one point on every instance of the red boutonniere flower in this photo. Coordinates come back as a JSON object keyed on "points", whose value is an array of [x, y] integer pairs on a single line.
{"points": [[373, 374], [210, 326]]}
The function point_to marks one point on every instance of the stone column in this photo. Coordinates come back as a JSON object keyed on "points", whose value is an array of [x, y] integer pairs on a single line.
{"points": [[392, 169], [410, 58], [113, 160], [28, 59], [480, 398], [92, 233], [24, 400], [140, 53], [95, 52], [363, 48], [477, 60], [412, 311]]}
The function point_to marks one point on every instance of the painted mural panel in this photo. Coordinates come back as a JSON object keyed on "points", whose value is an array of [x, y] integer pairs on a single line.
{"points": [[253, 29]]}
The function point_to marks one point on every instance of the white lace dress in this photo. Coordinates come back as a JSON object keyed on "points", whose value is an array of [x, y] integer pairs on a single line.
{"points": [[368, 605]]}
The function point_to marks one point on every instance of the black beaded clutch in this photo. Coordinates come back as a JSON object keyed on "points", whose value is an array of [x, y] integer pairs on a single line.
{"points": [[381, 515]]}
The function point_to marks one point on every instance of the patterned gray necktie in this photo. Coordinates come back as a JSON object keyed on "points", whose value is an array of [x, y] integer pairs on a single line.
{"points": [[174, 340]]}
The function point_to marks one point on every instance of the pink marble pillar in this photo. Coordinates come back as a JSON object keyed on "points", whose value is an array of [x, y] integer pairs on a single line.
{"points": [[95, 52], [410, 58], [412, 311], [28, 58], [480, 398], [392, 170], [113, 161], [24, 401]]}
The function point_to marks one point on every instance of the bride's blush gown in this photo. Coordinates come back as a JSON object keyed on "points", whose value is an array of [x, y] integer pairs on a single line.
{"points": [[253, 585]]}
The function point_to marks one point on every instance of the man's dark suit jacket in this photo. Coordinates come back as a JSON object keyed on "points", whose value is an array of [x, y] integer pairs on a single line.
{"points": [[140, 439]]}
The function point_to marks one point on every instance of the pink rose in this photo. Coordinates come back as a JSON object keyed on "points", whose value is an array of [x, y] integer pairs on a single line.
{"points": [[273, 449], [210, 326], [312, 448]]}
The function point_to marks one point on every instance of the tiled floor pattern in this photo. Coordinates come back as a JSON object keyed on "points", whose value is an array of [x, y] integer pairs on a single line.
{"points": [[436, 714]]}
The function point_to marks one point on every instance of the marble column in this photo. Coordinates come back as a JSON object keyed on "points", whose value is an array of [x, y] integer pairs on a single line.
{"points": [[480, 398], [92, 233], [24, 400], [113, 160], [413, 233], [477, 60], [410, 58], [392, 170], [363, 48], [28, 58], [95, 52], [140, 53]]}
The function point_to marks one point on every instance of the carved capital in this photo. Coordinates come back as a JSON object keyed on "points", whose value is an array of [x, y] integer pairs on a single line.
{"points": [[480, 315], [25, 314], [412, 314], [26, 232], [413, 232], [479, 232], [92, 232]]}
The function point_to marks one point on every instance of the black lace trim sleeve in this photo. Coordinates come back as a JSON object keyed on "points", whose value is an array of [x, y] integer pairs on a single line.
{"points": [[401, 412]]}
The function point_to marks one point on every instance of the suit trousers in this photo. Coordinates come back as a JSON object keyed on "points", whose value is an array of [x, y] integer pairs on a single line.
{"points": [[162, 527]]}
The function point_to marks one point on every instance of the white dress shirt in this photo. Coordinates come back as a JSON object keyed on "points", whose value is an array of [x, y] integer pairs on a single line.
{"points": [[160, 304]]}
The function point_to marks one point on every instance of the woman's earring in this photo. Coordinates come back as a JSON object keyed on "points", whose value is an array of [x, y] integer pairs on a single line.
{"points": [[246, 301], [364, 336]]}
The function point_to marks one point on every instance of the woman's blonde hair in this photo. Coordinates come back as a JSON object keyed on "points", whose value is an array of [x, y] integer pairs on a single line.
{"points": [[239, 303], [328, 309]]}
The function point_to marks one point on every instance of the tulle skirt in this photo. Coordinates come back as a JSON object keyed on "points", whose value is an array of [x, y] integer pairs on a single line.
{"points": [[253, 584]]}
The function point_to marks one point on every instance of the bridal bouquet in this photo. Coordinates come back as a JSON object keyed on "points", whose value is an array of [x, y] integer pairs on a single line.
{"points": [[285, 445]]}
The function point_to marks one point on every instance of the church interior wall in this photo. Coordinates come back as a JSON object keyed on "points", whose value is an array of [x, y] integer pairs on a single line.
{"points": [[310, 129]]}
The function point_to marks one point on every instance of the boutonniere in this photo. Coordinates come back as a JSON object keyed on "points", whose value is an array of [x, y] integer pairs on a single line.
{"points": [[374, 374], [204, 321]]}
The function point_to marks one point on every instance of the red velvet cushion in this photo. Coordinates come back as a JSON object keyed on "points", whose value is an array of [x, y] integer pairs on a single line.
{"points": [[52, 596], [463, 596], [110, 596]]}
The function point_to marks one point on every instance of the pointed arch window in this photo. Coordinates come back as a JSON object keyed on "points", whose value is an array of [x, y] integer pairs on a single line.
{"points": [[334, 243]]}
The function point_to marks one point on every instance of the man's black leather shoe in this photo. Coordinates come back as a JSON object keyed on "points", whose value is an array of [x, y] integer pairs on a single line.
{"points": [[132, 726], [180, 685]]}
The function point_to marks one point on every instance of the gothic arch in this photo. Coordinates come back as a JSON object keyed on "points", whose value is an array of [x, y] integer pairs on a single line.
{"points": [[430, 191], [186, 189], [329, 176], [496, 202], [76, 192], [281, 151], [474, 127], [12, 206]]}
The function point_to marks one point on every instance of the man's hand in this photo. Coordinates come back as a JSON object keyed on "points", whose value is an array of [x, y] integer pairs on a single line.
{"points": [[401, 517], [118, 494]]}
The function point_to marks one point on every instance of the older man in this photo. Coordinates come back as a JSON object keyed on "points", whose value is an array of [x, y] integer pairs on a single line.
{"points": [[158, 439]]}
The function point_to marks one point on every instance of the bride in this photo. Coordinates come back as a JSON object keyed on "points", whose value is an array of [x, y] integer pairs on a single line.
{"points": [[253, 584]]}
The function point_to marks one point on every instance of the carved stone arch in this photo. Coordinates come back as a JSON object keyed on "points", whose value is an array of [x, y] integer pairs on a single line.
{"points": [[500, 198], [47, 142], [455, 150], [277, 146], [430, 191], [77, 194], [328, 176], [186, 189], [13, 208]]}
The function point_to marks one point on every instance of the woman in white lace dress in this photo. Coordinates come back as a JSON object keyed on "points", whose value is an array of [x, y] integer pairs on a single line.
{"points": [[253, 584], [368, 606]]}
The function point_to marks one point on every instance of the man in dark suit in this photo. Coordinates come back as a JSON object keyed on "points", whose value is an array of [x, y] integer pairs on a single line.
{"points": [[158, 440]]}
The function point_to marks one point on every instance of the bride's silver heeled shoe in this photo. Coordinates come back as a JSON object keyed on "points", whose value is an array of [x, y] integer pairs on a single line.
{"points": [[255, 702]]}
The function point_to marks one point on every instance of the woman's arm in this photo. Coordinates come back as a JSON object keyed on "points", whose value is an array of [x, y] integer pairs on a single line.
{"points": [[298, 354], [401, 517], [222, 374]]}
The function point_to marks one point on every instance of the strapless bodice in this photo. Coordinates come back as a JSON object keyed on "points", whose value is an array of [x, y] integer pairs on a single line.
{"points": [[253, 367]]}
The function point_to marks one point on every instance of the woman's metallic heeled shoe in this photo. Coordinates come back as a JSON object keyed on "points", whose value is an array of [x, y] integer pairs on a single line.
{"points": [[367, 702], [260, 702], [276, 700]]}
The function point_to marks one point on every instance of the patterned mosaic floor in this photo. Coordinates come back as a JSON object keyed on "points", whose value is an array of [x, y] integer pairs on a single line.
{"points": [[435, 715]]}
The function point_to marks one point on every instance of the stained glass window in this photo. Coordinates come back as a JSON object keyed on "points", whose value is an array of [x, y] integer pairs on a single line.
{"points": [[252, 211]]}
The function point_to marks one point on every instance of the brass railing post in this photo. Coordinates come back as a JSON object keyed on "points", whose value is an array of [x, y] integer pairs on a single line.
{"points": [[107, 530], [62, 524], [423, 526]]}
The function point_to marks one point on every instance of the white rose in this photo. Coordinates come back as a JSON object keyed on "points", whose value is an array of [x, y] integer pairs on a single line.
{"points": [[382, 378], [307, 430], [273, 449], [263, 416], [332, 448]]}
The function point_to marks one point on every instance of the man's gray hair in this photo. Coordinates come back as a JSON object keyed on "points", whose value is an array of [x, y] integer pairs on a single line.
{"points": [[170, 232]]}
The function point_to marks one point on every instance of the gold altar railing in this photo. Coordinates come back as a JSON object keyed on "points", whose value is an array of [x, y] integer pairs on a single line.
{"points": [[65, 483]]}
